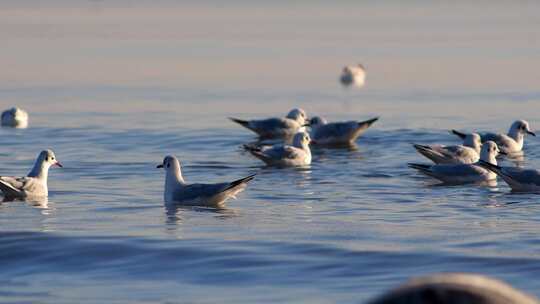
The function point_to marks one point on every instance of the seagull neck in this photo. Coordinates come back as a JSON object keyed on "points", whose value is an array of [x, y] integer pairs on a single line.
{"points": [[39, 171], [488, 157], [174, 177], [518, 137]]}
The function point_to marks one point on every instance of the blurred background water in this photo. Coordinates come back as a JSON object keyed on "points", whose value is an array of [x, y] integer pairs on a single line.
{"points": [[113, 86]]}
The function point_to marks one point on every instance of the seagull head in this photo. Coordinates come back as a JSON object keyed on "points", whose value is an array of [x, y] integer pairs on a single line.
{"points": [[521, 127], [48, 159], [301, 140], [172, 169], [317, 121], [489, 152], [170, 163], [299, 115]]}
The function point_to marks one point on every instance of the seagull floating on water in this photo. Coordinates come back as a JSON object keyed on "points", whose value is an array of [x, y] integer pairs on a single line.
{"points": [[353, 75], [15, 117], [519, 179], [457, 288], [297, 154], [177, 191], [509, 143], [336, 133], [34, 185], [276, 127], [468, 153], [463, 173]]}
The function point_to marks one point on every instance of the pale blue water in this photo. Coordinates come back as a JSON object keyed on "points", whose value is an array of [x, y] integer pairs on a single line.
{"points": [[112, 93], [352, 225]]}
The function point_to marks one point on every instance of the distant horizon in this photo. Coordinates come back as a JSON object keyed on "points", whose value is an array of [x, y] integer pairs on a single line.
{"points": [[418, 46]]}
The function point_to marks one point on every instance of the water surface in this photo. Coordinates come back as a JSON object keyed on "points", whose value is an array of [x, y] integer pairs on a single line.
{"points": [[113, 87]]}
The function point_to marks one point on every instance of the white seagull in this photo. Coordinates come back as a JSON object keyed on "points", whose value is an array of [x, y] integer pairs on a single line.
{"points": [[519, 179], [34, 185], [463, 173], [353, 75], [468, 153], [15, 117], [298, 154], [276, 127], [509, 143], [177, 191], [337, 133]]}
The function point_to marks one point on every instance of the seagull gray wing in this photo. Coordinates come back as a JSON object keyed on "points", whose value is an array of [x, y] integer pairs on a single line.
{"points": [[522, 176], [459, 153], [282, 152], [335, 129], [458, 170], [13, 186], [491, 136], [274, 126], [196, 191]]}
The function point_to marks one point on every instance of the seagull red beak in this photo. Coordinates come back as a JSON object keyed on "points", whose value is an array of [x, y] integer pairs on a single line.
{"points": [[58, 164]]}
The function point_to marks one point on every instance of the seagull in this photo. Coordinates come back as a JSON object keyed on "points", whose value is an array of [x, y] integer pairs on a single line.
{"points": [[463, 173], [519, 179], [353, 75], [468, 153], [509, 143], [15, 117], [454, 288], [336, 133], [276, 127], [33, 185], [298, 154], [177, 191]]}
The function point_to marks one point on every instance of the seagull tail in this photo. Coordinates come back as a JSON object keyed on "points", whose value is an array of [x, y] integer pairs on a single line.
{"points": [[252, 148], [490, 167], [367, 123], [8, 190], [420, 167], [428, 152], [239, 182], [460, 134], [241, 122]]}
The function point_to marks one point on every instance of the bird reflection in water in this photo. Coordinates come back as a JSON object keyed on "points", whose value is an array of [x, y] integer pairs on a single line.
{"points": [[175, 214]]}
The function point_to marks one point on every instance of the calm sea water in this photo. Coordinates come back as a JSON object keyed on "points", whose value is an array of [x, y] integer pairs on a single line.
{"points": [[353, 224]]}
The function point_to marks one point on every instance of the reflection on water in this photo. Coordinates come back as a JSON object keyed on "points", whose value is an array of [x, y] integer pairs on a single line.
{"points": [[175, 212]]}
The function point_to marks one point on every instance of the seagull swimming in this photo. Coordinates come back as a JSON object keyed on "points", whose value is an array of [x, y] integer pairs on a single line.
{"points": [[463, 173], [297, 154], [34, 185], [336, 133], [353, 75], [15, 117], [519, 179], [509, 143], [468, 153], [276, 127], [177, 191]]}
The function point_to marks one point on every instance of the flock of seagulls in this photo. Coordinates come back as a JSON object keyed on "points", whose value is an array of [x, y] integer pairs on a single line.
{"points": [[295, 128], [474, 161]]}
